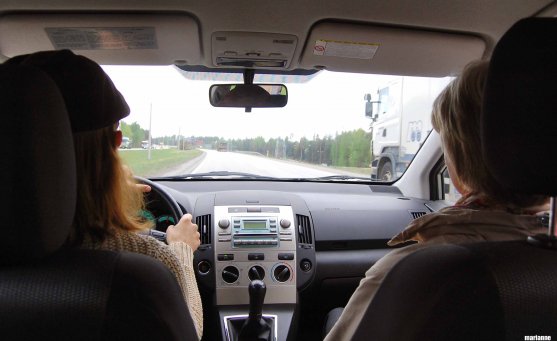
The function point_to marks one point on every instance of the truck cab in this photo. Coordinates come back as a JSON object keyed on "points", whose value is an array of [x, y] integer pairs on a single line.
{"points": [[402, 123], [126, 143]]}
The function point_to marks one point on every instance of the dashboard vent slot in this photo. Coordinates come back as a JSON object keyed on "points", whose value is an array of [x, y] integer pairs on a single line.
{"points": [[417, 214], [304, 229], [204, 224]]}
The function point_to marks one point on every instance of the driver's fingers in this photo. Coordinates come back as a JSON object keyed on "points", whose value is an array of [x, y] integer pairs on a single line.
{"points": [[144, 188], [186, 218]]}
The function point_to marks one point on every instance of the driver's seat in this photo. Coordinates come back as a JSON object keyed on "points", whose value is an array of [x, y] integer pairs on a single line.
{"points": [[48, 291]]}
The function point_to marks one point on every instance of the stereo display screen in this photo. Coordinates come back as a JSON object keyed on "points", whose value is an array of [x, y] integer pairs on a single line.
{"points": [[255, 224]]}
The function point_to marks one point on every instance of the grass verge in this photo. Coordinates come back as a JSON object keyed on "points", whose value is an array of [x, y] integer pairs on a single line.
{"points": [[161, 160], [358, 170]]}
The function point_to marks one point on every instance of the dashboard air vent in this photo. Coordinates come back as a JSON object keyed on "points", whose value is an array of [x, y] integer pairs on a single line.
{"points": [[204, 224], [304, 229], [417, 214]]}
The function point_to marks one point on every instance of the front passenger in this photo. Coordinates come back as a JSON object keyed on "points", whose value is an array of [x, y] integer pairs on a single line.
{"points": [[485, 212]]}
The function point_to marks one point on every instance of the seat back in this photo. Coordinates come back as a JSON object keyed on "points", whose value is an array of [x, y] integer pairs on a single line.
{"points": [[490, 290], [480, 291], [48, 290], [38, 166]]}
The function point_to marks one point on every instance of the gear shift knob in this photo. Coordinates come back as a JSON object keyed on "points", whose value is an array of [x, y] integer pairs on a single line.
{"points": [[257, 290]]}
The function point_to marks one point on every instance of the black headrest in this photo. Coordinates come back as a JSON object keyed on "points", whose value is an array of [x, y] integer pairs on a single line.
{"points": [[519, 118], [38, 166], [92, 100]]}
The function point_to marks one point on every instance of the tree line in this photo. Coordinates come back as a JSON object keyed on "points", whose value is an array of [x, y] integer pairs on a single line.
{"points": [[134, 132], [347, 149], [137, 134]]}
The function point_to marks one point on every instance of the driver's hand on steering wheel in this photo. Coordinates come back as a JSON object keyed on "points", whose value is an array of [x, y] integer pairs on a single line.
{"points": [[185, 231]]}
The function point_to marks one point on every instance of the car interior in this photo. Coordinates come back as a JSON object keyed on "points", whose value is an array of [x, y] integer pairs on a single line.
{"points": [[289, 250]]}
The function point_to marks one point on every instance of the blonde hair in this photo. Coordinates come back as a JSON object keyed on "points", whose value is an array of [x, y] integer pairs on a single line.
{"points": [[456, 117], [107, 198]]}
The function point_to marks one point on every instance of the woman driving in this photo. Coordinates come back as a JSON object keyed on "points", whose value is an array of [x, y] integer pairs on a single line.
{"points": [[108, 202]]}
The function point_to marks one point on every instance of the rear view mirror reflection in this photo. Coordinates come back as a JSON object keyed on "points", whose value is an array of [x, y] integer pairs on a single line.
{"points": [[248, 95]]}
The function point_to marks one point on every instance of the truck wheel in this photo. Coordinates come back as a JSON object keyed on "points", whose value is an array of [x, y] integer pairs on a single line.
{"points": [[386, 172]]}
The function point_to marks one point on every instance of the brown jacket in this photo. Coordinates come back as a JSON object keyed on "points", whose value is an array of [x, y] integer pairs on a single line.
{"points": [[450, 225]]}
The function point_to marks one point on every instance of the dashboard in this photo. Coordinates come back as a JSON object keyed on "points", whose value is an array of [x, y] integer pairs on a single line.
{"points": [[305, 240]]}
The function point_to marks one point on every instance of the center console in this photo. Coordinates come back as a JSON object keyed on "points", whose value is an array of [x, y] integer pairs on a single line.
{"points": [[254, 243], [247, 237]]}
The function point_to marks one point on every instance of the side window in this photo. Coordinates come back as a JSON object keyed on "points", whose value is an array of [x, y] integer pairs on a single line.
{"points": [[450, 193], [383, 100]]}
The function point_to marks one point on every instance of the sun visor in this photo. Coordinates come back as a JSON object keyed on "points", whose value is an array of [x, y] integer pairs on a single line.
{"points": [[142, 39], [386, 50]]}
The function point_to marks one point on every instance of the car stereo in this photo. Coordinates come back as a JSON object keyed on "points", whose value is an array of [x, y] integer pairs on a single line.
{"points": [[255, 242], [254, 231]]}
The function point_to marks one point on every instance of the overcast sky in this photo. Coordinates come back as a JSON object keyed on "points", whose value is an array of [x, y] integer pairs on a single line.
{"points": [[329, 103]]}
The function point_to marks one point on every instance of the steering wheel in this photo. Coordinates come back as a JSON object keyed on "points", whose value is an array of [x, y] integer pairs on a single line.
{"points": [[175, 211]]}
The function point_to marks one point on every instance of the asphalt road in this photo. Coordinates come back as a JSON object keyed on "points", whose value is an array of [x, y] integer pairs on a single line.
{"points": [[213, 160]]}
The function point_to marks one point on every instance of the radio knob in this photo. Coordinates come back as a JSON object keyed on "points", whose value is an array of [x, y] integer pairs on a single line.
{"points": [[230, 274], [256, 272], [281, 273], [224, 223], [284, 223]]}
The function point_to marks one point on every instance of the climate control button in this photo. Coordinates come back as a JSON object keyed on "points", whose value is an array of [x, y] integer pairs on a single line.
{"points": [[230, 274], [256, 272], [282, 273]]}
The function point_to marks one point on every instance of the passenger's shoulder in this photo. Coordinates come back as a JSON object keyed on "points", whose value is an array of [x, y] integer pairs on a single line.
{"points": [[386, 262]]}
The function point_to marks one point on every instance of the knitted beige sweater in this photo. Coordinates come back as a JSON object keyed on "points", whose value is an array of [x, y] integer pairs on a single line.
{"points": [[178, 257]]}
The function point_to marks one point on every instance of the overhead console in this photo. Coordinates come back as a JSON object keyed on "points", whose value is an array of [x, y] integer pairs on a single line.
{"points": [[253, 50]]}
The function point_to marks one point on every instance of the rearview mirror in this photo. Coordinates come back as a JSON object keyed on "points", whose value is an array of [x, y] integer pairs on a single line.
{"points": [[248, 95]]}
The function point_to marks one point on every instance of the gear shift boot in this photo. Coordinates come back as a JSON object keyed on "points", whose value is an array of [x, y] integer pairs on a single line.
{"points": [[234, 325], [255, 326]]}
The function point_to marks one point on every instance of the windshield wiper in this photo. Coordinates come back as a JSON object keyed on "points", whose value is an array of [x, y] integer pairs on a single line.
{"points": [[216, 175], [249, 176], [337, 178]]}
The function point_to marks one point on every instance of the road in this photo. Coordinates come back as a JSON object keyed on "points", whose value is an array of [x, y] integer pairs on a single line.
{"points": [[254, 164]]}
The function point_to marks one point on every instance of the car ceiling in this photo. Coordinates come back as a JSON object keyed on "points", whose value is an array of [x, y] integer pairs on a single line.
{"points": [[468, 28]]}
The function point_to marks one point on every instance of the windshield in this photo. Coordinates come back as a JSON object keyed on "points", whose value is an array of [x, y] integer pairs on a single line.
{"points": [[336, 126]]}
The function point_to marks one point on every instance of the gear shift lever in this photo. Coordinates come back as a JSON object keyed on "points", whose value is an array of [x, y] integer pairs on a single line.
{"points": [[257, 291], [255, 328]]}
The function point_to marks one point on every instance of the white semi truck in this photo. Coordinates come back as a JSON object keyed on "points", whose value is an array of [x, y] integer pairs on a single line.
{"points": [[401, 123]]}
